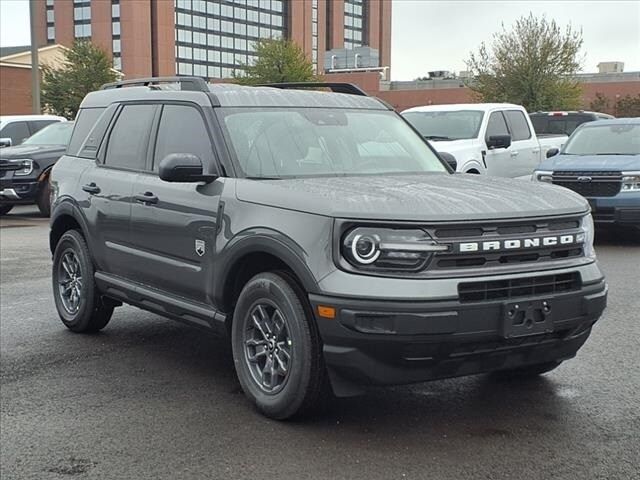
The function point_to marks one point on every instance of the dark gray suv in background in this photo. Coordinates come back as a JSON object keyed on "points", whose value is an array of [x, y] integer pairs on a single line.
{"points": [[322, 232]]}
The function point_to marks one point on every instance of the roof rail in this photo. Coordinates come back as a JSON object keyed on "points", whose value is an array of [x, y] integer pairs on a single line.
{"points": [[348, 88], [194, 84]]}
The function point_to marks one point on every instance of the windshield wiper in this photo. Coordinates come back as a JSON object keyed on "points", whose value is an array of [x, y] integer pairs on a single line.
{"points": [[614, 154], [263, 178], [436, 137]]}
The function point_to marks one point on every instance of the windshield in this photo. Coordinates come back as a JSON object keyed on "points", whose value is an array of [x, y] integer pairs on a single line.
{"points": [[295, 142], [609, 139], [458, 125], [54, 134]]}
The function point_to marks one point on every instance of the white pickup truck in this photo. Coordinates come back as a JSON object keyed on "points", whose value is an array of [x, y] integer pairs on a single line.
{"points": [[485, 138]]}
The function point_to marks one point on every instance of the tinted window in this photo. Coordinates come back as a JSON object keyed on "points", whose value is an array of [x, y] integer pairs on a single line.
{"points": [[129, 137], [496, 125], [182, 130], [16, 131], [518, 125], [85, 120], [38, 125]]}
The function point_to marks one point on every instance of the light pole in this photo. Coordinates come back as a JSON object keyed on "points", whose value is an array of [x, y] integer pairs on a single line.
{"points": [[35, 66]]}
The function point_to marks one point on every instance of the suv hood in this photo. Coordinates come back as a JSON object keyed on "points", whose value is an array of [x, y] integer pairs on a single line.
{"points": [[31, 151], [421, 197], [454, 146], [591, 162]]}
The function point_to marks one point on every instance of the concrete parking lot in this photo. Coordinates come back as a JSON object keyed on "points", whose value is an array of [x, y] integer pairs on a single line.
{"points": [[148, 398]]}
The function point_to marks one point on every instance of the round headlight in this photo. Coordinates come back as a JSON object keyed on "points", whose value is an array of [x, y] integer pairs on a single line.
{"points": [[365, 248]]}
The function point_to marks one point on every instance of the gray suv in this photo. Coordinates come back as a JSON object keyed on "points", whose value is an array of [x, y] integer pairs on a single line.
{"points": [[319, 230]]}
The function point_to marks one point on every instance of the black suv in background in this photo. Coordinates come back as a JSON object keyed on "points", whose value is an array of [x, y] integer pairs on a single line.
{"points": [[320, 231], [563, 122], [25, 168]]}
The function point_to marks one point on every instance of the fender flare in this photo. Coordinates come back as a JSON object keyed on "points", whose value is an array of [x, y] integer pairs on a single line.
{"points": [[473, 164], [261, 240], [66, 207]]}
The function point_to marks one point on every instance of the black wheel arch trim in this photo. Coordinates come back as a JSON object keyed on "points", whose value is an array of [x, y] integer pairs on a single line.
{"points": [[265, 241], [67, 207]]}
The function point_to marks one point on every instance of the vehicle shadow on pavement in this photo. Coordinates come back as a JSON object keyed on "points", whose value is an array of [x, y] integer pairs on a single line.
{"points": [[615, 235]]}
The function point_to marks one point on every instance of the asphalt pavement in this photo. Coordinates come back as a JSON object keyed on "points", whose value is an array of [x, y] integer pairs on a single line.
{"points": [[148, 398]]}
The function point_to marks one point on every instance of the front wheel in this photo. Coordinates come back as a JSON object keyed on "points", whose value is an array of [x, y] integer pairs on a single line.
{"points": [[276, 348], [78, 303]]}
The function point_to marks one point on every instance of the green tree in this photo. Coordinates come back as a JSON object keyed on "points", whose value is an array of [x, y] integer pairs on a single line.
{"points": [[600, 103], [533, 65], [277, 61], [628, 106], [86, 67]]}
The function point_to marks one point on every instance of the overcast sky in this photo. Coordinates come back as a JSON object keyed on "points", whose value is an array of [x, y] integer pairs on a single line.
{"points": [[438, 35]]}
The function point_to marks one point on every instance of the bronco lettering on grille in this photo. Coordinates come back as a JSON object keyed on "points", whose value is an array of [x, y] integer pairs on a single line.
{"points": [[515, 244]]}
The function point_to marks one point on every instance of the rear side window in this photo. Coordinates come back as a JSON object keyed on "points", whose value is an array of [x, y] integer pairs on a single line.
{"points": [[85, 120], [37, 125], [129, 137], [18, 132], [496, 125], [518, 125], [182, 130]]}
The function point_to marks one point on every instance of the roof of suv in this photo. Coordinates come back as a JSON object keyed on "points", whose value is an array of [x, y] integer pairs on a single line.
{"points": [[612, 121], [231, 95]]}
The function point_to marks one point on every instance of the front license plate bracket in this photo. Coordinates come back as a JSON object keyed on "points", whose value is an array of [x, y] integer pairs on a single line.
{"points": [[528, 317]]}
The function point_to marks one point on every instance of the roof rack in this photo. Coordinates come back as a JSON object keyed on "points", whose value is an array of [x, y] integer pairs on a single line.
{"points": [[194, 84], [348, 88]]}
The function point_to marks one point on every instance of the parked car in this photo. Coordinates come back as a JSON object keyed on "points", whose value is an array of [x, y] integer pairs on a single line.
{"points": [[14, 129], [487, 138], [601, 161], [563, 122], [322, 232], [25, 168]]}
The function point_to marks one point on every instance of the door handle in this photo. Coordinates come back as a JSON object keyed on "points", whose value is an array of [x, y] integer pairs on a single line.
{"points": [[514, 153], [535, 150], [146, 197], [91, 188]]}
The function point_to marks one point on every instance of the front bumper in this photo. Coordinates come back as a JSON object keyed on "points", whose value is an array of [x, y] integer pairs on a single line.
{"points": [[18, 191], [623, 209], [383, 342]]}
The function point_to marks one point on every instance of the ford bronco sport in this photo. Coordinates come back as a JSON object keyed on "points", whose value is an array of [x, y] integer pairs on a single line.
{"points": [[322, 232]]}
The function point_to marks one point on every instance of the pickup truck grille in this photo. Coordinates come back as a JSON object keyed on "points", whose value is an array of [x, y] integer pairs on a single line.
{"points": [[500, 232], [590, 184], [519, 287]]}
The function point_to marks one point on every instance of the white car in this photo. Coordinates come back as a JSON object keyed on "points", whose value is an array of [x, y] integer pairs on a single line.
{"points": [[14, 129], [485, 138]]}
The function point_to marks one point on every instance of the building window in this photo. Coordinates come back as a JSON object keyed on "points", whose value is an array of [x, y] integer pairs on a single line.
{"points": [[51, 34], [354, 14], [51, 31], [116, 46], [214, 38], [82, 19]]}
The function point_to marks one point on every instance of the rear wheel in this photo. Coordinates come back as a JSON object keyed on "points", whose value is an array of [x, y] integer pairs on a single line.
{"points": [[4, 209], [43, 200], [78, 303], [276, 348], [530, 371]]}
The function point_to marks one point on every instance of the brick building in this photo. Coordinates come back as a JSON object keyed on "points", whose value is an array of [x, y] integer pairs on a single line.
{"points": [[212, 38]]}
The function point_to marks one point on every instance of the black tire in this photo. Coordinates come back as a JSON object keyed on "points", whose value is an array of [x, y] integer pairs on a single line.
{"points": [[527, 372], [305, 386], [43, 200], [91, 313], [4, 209]]}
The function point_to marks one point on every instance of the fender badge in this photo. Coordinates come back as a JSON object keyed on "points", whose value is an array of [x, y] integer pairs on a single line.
{"points": [[200, 247]]}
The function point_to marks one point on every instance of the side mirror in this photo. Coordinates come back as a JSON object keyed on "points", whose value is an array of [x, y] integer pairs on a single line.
{"points": [[449, 159], [552, 152], [5, 142], [183, 167], [499, 141]]}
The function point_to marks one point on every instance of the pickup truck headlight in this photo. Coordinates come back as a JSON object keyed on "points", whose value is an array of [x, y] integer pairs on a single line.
{"points": [[379, 249], [542, 176], [588, 230], [26, 167], [630, 182]]}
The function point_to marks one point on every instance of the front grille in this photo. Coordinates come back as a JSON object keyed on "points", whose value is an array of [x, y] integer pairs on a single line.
{"points": [[590, 184], [519, 287], [454, 260]]}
